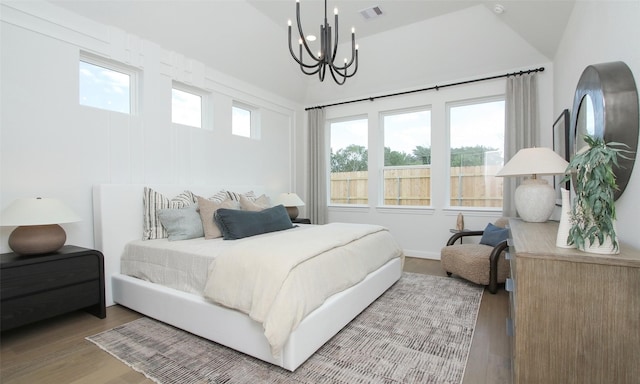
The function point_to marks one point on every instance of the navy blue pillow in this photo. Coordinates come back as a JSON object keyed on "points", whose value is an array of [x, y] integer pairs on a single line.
{"points": [[494, 235], [236, 224]]}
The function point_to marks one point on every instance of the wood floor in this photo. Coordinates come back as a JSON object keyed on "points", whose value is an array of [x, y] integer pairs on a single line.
{"points": [[54, 351]]}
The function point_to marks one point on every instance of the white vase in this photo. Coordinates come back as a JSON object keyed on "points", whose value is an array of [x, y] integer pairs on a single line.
{"points": [[603, 249], [565, 221]]}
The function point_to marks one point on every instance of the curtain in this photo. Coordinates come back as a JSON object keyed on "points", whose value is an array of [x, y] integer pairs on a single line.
{"points": [[521, 130], [316, 175]]}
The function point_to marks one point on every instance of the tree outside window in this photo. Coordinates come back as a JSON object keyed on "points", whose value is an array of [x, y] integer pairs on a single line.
{"points": [[349, 162], [407, 158]]}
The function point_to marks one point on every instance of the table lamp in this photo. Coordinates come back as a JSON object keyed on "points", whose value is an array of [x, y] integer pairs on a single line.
{"points": [[291, 202], [37, 219], [534, 198]]}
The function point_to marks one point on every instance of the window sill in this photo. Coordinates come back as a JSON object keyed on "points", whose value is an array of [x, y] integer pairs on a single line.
{"points": [[404, 209], [349, 208], [472, 211]]}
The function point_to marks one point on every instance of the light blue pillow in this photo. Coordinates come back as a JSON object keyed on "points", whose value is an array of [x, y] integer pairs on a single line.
{"points": [[237, 224], [182, 224], [493, 235]]}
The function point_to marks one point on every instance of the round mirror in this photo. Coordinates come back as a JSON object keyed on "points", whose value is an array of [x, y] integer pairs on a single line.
{"points": [[606, 106]]}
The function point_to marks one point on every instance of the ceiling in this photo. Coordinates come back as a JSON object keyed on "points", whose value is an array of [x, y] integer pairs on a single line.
{"points": [[524, 16], [239, 37]]}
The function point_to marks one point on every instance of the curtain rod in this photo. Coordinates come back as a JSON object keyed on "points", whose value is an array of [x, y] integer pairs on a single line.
{"points": [[436, 87]]}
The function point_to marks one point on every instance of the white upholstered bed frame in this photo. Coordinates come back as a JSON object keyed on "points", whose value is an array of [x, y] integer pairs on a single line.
{"points": [[118, 220]]}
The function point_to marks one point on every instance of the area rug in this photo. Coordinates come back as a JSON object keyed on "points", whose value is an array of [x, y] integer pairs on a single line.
{"points": [[419, 331]]}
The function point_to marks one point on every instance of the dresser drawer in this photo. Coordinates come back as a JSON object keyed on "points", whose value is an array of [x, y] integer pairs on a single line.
{"points": [[28, 309], [38, 277]]}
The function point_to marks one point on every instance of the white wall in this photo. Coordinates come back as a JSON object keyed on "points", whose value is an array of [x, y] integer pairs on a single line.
{"points": [[53, 147], [600, 32], [465, 44]]}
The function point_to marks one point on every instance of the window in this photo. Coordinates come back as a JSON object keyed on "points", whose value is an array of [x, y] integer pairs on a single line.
{"points": [[245, 120], [407, 158], [186, 107], [476, 138], [349, 179], [105, 85]]}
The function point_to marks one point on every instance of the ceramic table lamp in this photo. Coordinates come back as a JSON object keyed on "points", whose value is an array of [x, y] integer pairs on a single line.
{"points": [[534, 198], [37, 219]]}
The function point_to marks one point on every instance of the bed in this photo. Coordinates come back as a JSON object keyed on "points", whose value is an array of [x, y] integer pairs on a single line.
{"points": [[118, 224]]}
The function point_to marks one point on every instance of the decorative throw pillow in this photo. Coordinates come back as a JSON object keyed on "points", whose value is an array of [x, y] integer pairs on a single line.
{"points": [[219, 196], [152, 203], [235, 196], [493, 235], [181, 224], [207, 208], [237, 224], [258, 204]]}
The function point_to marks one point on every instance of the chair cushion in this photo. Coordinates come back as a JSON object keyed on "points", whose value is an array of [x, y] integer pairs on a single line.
{"points": [[471, 262]]}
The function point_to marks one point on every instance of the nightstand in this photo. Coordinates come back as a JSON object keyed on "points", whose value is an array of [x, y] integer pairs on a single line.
{"points": [[38, 287], [301, 221]]}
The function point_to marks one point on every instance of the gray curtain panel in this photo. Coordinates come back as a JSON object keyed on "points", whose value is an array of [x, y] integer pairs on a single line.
{"points": [[316, 175], [521, 131]]}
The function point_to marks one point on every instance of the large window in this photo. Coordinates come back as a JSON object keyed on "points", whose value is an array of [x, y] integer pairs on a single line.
{"points": [[407, 158], [186, 107], [348, 160], [105, 85], [476, 137]]}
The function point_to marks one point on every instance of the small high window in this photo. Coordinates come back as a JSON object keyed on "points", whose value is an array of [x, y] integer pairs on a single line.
{"points": [[245, 120], [186, 108], [105, 85]]}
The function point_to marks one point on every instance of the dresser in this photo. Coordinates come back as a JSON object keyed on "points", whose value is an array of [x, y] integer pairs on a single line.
{"points": [[574, 316], [38, 287]]}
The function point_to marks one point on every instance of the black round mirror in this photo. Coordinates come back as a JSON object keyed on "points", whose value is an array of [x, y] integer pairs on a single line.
{"points": [[606, 106]]}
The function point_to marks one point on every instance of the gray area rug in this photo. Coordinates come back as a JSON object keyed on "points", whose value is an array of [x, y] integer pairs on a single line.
{"points": [[419, 331]]}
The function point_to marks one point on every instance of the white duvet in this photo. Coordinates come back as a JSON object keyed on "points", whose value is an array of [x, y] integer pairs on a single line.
{"points": [[279, 280]]}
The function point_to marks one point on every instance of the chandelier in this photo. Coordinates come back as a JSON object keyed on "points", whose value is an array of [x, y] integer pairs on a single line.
{"points": [[327, 55]]}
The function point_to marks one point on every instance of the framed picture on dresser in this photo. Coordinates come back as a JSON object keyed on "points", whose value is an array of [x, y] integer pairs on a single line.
{"points": [[561, 147]]}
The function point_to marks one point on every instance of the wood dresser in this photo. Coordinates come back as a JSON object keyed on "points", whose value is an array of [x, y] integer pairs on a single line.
{"points": [[574, 316]]}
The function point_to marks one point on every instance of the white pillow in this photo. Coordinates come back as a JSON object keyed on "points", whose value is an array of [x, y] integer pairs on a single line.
{"points": [[152, 203], [260, 203], [207, 208]]}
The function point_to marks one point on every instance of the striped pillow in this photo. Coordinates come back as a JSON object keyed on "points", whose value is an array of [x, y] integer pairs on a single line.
{"points": [[235, 196], [152, 203]]}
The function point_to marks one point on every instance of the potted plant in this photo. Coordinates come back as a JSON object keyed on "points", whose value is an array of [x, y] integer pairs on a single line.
{"points": [[593, 213]]}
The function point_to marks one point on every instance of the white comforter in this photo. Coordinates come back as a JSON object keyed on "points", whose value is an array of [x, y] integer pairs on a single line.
{"points": [[278, 280]]}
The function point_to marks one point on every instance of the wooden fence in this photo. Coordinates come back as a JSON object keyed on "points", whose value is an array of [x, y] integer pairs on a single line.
{"points": [[469, 186]]}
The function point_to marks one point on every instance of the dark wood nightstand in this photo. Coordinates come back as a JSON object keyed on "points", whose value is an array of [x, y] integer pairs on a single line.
{"points": [[301, 221], [38, 287]]}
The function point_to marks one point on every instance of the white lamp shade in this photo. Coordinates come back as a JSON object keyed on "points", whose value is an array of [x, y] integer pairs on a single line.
{"points": [[534, 161], [534, 198], [289, 200], [37, 211]]}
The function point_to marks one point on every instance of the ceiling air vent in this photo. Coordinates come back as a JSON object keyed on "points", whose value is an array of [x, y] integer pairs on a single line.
{"points": [[370, 13]]}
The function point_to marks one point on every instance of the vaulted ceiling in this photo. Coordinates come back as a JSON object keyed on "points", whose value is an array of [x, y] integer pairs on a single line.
{"points": [[412, 41]]}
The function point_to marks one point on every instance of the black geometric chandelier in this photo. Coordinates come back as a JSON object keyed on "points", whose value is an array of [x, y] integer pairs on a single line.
{"points": [[327, 55]]}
